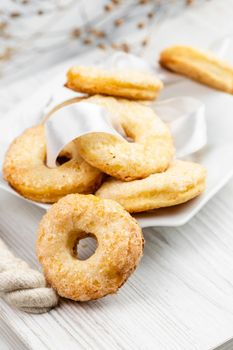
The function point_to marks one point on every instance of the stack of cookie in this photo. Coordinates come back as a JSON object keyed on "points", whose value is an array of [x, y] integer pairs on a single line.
{"points": [[141, 171]]}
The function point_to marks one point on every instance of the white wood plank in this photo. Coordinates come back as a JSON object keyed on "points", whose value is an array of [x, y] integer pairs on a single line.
{"points": [[179, 298], [8, 339]]}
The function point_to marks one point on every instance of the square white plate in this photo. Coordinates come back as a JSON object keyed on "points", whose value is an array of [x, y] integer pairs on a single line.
{"points": [[217, 156]]}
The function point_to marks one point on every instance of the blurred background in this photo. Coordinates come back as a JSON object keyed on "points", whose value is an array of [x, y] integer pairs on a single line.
{"points": [[38, 34]]}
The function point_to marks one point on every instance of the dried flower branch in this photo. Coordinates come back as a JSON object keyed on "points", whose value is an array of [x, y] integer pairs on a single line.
{"points": [[105, 27]]}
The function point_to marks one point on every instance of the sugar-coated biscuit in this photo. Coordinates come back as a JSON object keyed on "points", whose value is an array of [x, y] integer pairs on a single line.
{"points": [[26, 171], [134, 85], [180, 183], [120, 246], [151, 150], [200, 66]]}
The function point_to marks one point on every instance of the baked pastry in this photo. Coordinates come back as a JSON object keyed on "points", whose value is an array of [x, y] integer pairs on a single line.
{"points": [[120, 246], [198, 65], [151, 151], [181, 182], [26, 171], [130, 84]]}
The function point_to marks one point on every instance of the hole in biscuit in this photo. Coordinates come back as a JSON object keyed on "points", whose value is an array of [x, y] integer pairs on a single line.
{"points": [[61, 159], [85, 248]]}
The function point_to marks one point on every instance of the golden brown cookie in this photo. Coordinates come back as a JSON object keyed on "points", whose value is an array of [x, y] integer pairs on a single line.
{"points": [[26, 171], [151, 150], [120, 246], [180, 183], [200, 66], [122, 83]]}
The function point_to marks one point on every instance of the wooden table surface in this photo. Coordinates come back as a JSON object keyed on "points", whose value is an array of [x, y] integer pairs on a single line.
{"points": [[181, 295]]}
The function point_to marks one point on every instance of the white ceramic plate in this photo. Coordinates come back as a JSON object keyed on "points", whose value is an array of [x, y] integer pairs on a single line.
{"points": [[217, 156]]}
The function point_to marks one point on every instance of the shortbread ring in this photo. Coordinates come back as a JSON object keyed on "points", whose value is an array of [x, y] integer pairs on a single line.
{"points": [[180, 183], [200, 66], [130, 84], [25, 169], [151, 151], [119, 249]]}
